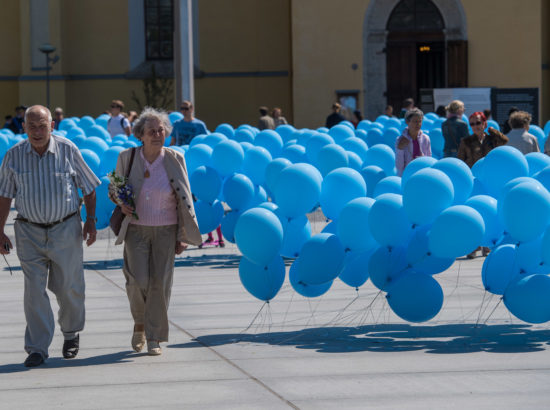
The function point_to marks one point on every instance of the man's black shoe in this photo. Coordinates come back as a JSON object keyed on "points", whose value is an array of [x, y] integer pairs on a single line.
{"points": [[70, 348], [34, 360]]}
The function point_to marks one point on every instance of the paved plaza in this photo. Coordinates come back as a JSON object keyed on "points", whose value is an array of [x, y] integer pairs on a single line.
{"points": [[228, 350]]}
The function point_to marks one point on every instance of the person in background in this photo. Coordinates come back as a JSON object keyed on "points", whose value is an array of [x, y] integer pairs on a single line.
{"points": [[118, 123], [519, 136], [454, 129], [487, 112], [132, 117], [441, 111], [166, 224], [389, 111], [506, 126], [357, 118], [413, 143], [265, 122], [48, 230], [188, 127], [58, 116], [408, 104], [17, 121], [278, 118], [7, 121], [334, 118], [477, 146]]}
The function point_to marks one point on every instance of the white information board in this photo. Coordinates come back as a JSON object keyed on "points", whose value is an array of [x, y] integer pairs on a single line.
{"points": [[474, 99]]}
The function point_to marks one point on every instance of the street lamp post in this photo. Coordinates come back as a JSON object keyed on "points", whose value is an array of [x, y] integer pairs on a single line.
{"points": [[47, 49]]}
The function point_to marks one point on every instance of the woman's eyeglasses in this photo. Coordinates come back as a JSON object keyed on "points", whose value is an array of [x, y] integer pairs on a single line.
{"points": [[475, 123]]}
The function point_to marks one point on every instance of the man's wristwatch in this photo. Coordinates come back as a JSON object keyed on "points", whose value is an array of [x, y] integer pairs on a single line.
{"points": [[91, 218]]}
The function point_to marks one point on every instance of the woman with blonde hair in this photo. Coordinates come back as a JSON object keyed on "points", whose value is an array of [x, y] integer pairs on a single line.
{"points": [[161, 225]]}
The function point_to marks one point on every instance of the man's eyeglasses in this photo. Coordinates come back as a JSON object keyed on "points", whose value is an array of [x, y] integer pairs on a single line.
{"points": [[475, 123], [116, 106], [184, 108]]}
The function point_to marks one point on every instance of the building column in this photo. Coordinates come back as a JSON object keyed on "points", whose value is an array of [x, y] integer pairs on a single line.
{"points": [[183, 51]]}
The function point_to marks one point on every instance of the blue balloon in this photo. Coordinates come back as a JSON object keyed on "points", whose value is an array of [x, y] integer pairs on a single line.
{"points": [[314, 145], [262, 281], [375, 136], [477, 169], [294, 153], [198, 155], [361, 134], [259, 235], [226, 129], [415, 297], [354, 161], [386, 265], [526, 210], [499, 268], [109, 160], [227, 157], [175, 116], [304, 289], [357, 146], [238, 192], [91, 159], [209, 216], [437, 141], [340, 133], [419, 256], [388, 185], [331, 157], [494, 124], [272, 172], [297, 232], [528, 300], [198, 139], [529, 259], [338, 188], [487, 207], [372, 174], [416, 165], [66, 124], [321, 259], [457, 231], [271, 141], [86, 122], [270, 206], [95, 144], [213, 139], [297, 189], [246, 146], [98, 132], [460, 175], [256, 159], [426, 194], [355, 271], [260, 196], [538, 133], [229, 221], [206, 184], [353, 225], [382, 156], [285, 131], [390, 135], [73, 132], [364, 125], [501, 165], [537, 162], [543, 176], [388, 221], [244, 135]]}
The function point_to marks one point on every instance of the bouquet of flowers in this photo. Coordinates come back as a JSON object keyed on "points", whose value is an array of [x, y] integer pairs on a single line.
{"points": [[123, 190]]}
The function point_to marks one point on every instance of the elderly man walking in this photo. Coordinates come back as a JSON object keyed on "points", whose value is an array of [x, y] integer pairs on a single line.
{"points": [[43, 174]]}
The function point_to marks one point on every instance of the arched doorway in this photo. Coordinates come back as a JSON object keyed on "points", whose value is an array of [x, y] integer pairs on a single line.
{"points": [[409, 45]]}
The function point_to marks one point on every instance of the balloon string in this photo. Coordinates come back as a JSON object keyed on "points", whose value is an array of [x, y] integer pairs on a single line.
{"points": [[493, 311], [341, 312], [287, 309], [255, 317]]}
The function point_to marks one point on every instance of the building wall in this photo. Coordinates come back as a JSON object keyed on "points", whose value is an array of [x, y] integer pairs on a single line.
{"points": [[245, 60], [545, 50], [327, 40]]}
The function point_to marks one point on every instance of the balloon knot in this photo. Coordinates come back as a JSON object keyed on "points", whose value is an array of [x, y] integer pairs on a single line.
{"points": [[429, 254], [347, 250]]}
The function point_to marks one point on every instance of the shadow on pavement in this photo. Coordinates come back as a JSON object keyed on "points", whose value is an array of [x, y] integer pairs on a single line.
{"points": [[58, 362], [439, 339], [212, 261]]}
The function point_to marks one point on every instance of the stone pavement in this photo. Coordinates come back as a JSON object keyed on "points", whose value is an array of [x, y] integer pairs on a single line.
{"points": [[229, 351]]}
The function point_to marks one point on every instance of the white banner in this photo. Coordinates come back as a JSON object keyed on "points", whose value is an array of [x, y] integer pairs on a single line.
{"points": [[474, 99]]}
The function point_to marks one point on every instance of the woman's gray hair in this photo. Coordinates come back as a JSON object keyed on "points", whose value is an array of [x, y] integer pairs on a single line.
{"points": [[149, 114], [415, 112]]}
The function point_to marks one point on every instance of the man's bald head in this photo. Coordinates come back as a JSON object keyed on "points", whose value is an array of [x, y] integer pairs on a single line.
{"points": [[39, 112]]}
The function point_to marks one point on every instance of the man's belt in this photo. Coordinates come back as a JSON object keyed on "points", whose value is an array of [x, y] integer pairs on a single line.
{"points": [[46, 225]]}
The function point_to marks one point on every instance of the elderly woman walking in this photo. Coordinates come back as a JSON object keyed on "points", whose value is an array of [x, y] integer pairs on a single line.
{"points": [[413, 143], [166, 223]]}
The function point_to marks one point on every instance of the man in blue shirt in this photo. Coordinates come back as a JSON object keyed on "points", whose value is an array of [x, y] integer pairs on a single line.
{"points": [[188, 127]]}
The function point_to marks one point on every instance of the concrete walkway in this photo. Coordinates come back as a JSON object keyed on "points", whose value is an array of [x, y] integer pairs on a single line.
{"points": [[297, 353]]}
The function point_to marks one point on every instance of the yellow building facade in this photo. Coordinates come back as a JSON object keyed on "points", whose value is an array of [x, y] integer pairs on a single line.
{"points": [[300, 55]]}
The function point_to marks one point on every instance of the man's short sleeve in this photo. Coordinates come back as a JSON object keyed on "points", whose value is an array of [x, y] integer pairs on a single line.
{"points": [[126, 123], [7, 181]]}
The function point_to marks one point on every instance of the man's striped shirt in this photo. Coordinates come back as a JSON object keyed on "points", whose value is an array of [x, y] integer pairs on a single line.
{"points": [[45, 187]]}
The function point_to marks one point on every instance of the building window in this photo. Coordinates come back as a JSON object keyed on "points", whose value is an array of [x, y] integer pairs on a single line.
{"points": [[415, 15], [159, 29]]}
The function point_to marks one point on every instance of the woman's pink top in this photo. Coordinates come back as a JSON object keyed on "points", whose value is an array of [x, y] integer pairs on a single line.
{"points": [[156, 204]]}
